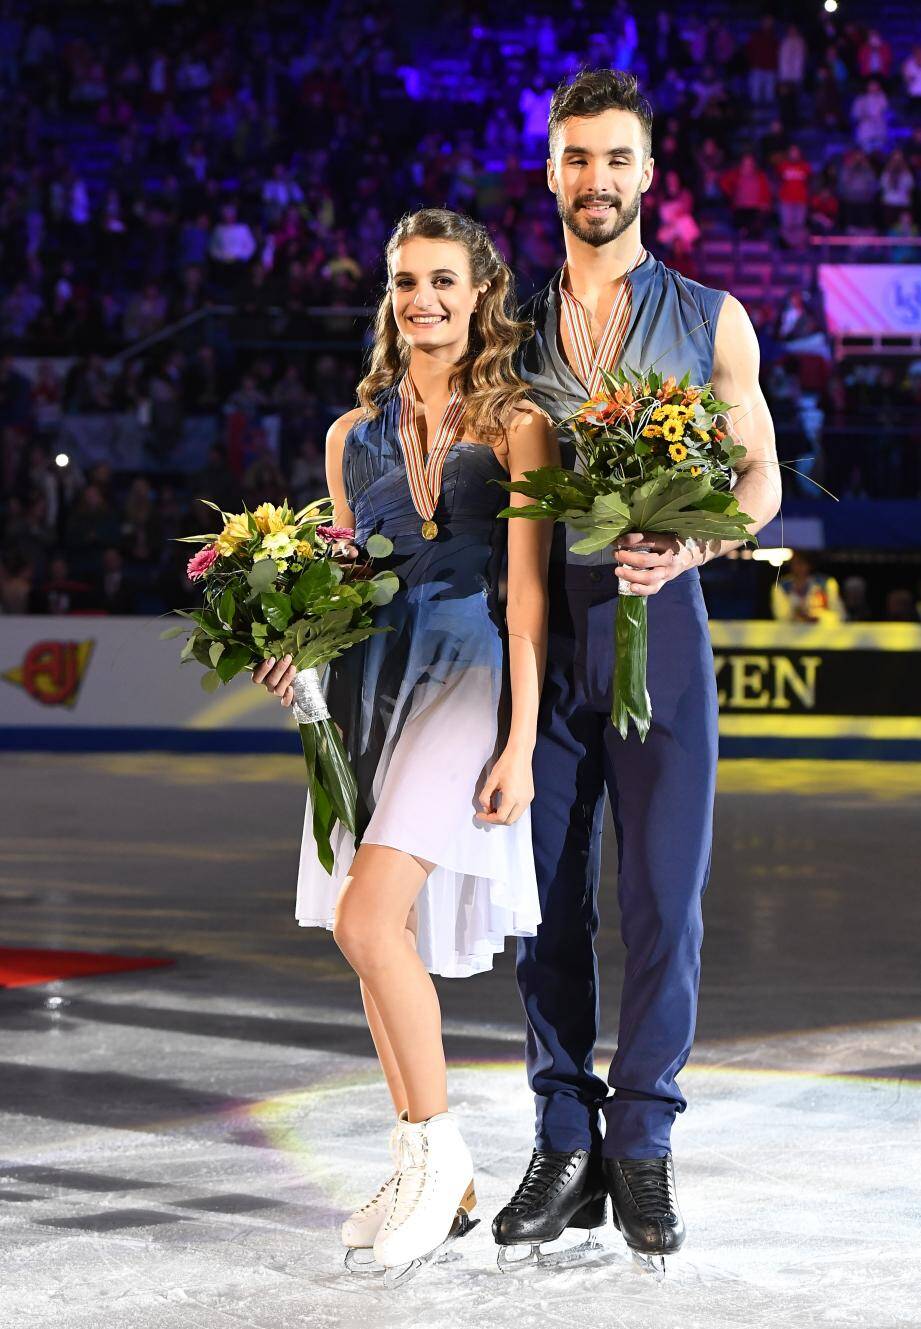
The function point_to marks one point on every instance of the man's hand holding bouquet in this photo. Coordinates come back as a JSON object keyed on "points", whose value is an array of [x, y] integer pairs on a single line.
{"points": [[655, 458]]}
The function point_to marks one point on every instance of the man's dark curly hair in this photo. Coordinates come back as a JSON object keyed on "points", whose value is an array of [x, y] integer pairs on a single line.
{"points": [[592, 91]]}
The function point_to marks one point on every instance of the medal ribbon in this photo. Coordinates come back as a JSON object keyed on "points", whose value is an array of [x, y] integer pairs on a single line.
{"points": [[591, 360], [424, 473]]}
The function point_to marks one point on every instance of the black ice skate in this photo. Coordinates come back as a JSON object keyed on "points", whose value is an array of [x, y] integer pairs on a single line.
{"points": [[558, 1191], [645, 1206]]}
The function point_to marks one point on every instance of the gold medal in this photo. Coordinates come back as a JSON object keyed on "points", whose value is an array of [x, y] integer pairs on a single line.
{"points": [[429, 530]]}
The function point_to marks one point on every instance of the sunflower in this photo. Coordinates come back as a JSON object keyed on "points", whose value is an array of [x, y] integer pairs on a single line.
{"points": [[677, 451], [672, 430], [652, 431], [696, 470]]}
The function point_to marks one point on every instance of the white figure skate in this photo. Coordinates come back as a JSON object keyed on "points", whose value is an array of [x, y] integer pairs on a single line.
{"points": [[432, 1201], [359, 1231]]}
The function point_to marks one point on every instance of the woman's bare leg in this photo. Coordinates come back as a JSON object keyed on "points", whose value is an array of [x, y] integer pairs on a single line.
{"points": [[385, 1053], [370, 929]]}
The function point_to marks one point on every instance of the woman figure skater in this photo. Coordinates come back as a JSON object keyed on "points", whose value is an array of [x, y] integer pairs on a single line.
{"points": [[439, 714]]}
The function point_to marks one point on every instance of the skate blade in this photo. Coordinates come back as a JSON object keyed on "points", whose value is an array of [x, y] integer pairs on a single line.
{"points": [[650, 1264], [360, 1260], [574, 1255], [398, 1275]]}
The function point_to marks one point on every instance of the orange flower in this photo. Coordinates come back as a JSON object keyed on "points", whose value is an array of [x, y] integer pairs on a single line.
{"points": [[668, 388]]}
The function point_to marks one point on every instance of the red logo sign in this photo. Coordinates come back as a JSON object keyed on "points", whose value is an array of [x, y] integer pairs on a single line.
{"points": [[52, 671]]}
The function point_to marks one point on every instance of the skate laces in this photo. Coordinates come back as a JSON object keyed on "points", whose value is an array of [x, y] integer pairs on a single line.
{"points": [[651, 1185], [375, 1200], [410, 1180], [545, 1172]]}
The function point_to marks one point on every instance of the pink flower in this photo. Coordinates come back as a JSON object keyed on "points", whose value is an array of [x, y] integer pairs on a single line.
{"points": [[199, 564], [333, 533]]}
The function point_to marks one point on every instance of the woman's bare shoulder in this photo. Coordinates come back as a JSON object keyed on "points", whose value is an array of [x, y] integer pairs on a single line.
{"points": [[339, 429]]}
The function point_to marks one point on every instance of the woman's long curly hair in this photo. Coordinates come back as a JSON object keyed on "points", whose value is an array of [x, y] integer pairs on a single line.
{"points": [[485, 375]]}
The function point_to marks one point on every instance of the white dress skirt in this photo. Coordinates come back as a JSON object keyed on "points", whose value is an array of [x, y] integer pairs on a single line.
{"points": [[419, 706]]}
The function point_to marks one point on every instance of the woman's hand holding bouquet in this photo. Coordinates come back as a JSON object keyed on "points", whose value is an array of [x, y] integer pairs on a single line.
{"points": [[281, 583]]}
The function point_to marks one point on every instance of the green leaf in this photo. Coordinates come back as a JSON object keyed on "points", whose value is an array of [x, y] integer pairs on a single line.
{"points": [[215, 651], [259, 632], [262, 575], [652, 504], [607, 520], [533, 512], [551, 480], [277, 608], [384, 587], [169, 633], [188, 650], [337, 776], [378, 546], [226, 607], [211, 681], [315, 581], [232, 661]]}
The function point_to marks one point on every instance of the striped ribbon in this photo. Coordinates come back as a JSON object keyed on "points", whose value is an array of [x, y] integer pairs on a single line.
{"points": [[424, 473], [591, 360]]}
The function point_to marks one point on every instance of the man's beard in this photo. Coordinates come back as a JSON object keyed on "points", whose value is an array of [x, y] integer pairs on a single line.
{"points": [[600, 233]]}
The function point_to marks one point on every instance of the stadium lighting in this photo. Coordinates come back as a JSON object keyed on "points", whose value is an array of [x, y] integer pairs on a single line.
{"points": [[831, 6], [62, 459], [776, 557]]}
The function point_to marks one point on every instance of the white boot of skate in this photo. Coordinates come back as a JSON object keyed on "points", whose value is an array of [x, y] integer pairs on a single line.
{"points": [[433, 1199], [360, 1230]]}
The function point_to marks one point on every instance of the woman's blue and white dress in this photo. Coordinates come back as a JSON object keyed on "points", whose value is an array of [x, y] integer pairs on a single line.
{"points": [[424, 707]]}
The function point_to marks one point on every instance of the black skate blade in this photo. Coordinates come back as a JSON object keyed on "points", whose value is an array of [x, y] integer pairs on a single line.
{"points": [[399, 1275], [574, 1255], [650, 1264], [360, 1260]]}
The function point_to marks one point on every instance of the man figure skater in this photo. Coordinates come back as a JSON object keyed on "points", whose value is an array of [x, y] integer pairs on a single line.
{"points": [[614, 303]]}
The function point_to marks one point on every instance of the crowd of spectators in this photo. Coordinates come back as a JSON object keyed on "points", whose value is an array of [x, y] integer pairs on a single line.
{"points": [[185, 158]]}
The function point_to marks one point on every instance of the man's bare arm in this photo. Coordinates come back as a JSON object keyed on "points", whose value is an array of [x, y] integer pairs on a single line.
{"points": [[736, 362]]}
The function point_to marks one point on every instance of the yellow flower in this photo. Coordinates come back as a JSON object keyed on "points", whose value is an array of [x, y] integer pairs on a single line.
{"points": [[269, 519], [652, 431], [672, 430], [304, 549], [695, 470], [235, 532], [278, 545], [677, 452]]}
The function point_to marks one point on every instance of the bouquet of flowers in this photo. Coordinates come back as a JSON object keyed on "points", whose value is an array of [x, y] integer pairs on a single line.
{"points": [[278, 582], [654, 455]]}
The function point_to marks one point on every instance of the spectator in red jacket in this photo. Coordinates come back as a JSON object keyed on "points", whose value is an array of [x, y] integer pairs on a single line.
{"points": [[793, 172], [748, 190]]}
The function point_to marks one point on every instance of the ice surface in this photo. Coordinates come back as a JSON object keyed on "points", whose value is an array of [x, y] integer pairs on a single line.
{"points": [[178, 1148], [800, 1194]]}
